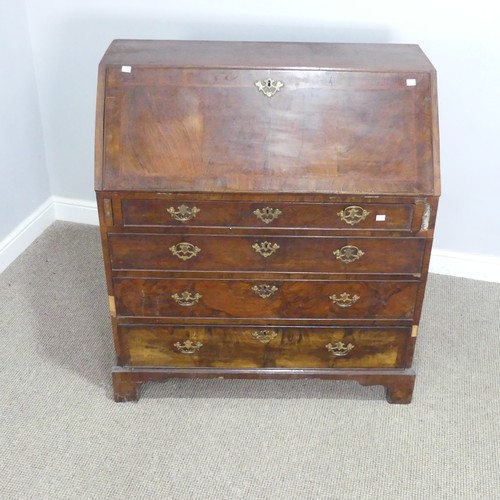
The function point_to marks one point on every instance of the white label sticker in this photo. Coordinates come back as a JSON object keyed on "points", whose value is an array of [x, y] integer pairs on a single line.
{"points": [[126, 69], [380, 217], [411, 82]]}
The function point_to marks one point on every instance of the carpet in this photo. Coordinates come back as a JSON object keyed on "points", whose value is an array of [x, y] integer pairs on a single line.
{"points": [[63, 437]]}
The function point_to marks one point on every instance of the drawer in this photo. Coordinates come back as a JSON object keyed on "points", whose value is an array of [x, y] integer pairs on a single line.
{"points": [[260, 253], [198, 298], [158, 212], [263, 347]]}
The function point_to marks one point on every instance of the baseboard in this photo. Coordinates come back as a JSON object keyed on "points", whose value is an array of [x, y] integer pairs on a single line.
{"points": [[73, 210], [22, 236], [464, 265], [54, 208], [478, 267]]}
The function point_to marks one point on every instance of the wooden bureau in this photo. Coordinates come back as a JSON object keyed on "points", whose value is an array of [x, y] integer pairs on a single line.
{"points": [[266, 209]]}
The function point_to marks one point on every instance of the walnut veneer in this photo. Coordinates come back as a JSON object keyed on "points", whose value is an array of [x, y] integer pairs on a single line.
{"points": [[266, 209]]}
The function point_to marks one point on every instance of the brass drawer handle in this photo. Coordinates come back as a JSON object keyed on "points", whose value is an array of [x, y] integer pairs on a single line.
{"points": [[353, 214], [183, 213], [348, 254], [265, 248], [185, 251], [185, 299], [267, 214], [265, 291], [345, 300], [339, 349], [188, 347], [269, 87], [264, 336]]}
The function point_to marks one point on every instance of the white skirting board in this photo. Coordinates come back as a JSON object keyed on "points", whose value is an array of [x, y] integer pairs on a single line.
{"points": [[71, 210], [54, 208], [478, 267], [22, 236], [465, 265]]}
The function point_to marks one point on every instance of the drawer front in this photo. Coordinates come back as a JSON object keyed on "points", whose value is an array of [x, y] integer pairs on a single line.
{"points": [[263, 347], [142, 297], [154, 212], [273, 254]]}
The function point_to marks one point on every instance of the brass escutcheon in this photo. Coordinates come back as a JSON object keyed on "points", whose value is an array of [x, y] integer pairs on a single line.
{"points": [[265, 291], [265, 248], [348, 254], [188, 347], [269, 87], [183, 213], [353, 214], [339, 349], [264, 336], [345, 300], [267, 214], [186, 299], [184, 250]]}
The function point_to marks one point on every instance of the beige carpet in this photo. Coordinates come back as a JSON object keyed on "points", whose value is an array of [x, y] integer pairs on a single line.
{"points": [[63, 437]]}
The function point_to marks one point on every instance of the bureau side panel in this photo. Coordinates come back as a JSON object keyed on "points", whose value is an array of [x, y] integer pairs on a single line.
{"points": [[108, 210]]}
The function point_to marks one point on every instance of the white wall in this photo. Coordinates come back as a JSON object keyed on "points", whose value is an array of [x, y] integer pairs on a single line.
{"points": [[24, 182], [461, 39]]}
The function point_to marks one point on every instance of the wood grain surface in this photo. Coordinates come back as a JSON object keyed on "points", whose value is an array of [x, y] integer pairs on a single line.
{"points": [[237, 347], [212, 130], [224, 172], [369, 300], [295, 254], [157, 212]]}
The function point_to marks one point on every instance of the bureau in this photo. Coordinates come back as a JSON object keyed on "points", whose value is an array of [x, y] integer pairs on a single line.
{"points": [[266, 209]]}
